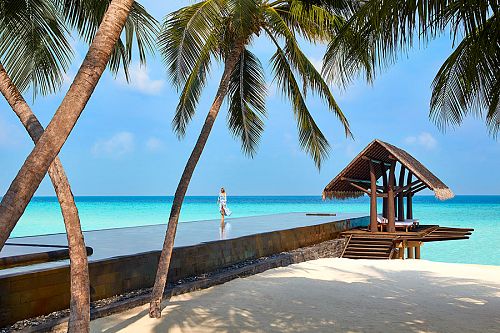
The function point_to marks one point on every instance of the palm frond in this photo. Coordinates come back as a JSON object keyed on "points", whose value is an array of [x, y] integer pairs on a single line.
{"points": [[33, 44], [311, 138], [468, 82], [247, 94], [314, 23], [120, 58], [311, 78], [349, 55], [381, 30], [86, 15], [183, 35], [244, 16], [193, 87]]}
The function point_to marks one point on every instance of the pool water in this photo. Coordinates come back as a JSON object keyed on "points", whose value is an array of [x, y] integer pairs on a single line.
{"points": [[482, 213]]}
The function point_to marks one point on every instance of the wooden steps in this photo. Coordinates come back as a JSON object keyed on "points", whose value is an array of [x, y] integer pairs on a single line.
{"points": [[359, 247]]}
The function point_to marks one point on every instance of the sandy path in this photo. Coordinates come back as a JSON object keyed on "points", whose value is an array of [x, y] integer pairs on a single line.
{"points": [[334, 295]]}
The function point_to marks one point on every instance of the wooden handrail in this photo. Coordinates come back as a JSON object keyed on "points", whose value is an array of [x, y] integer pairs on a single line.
{"points": [[346, 245]]}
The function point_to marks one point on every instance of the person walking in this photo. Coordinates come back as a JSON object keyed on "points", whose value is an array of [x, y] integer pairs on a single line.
{"points": [[224, 211]]}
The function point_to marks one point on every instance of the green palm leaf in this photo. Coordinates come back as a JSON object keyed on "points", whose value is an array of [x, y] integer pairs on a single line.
{"points": [[311, 78], [469, 80], [312, 22], [311, 138], [184, 34], [86, 15], [244, 15], [247, 104], [33, 44], [193, 36], [193, 87], [381, 30]]}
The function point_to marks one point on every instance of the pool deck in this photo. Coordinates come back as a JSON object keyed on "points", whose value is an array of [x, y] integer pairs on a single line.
{"points": [[111, 243]]}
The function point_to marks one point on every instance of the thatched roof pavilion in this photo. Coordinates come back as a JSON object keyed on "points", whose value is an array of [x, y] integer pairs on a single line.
{"points": [[378, 160]]}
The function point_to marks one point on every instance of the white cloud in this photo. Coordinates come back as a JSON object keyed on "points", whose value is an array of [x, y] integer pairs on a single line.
{"points": [[118, 145], [154, 144], [140, 80], [424, 139]]}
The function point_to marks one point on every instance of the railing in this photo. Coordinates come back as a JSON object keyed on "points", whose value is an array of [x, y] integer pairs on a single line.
{"points": [[346, 245]]}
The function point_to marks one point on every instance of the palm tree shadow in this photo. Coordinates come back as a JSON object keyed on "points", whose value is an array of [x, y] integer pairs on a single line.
{"points": [[325, 301]]}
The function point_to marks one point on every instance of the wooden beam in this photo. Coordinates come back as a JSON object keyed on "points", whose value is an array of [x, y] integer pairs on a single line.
{"points": [[409, 204], [395, 200], [375, 161], [401, 206], [418, 188], [410, 252], [359, 188], [391, 213], [384, 185], [407, 186], [355, 180], [373, 199]]}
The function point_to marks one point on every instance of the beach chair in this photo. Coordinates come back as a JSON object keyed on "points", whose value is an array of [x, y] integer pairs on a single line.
{"points": [[381, 221], [407, 224]]}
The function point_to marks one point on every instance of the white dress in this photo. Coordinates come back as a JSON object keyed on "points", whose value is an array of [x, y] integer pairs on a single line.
{"points": [[222, 200]]}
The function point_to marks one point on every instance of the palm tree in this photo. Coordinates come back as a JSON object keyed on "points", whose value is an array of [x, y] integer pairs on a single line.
{"points": [[50, 142], [468, 82], [37, 53], [35, 48], [223, 30]]}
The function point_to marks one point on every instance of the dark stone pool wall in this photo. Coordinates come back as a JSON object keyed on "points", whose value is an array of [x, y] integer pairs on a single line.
{"points": [[26, 295]]}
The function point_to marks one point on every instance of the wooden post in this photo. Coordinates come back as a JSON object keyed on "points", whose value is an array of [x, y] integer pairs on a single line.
{"points": [[410, 252], [417, 252], [384, 183], [395, 200], [409, 198], [391, 226], [373, 198], [401, 206], [402, 250]]}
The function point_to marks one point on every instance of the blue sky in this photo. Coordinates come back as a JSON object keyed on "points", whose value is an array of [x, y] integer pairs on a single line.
{"points": [[123, 143]]}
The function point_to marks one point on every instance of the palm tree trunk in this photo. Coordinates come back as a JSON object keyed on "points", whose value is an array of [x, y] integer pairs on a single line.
{"points": [[79, 320], [35, 167], [168, 243]]}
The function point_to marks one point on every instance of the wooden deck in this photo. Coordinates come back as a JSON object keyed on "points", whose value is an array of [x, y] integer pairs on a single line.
{"points": [[364, 244]]}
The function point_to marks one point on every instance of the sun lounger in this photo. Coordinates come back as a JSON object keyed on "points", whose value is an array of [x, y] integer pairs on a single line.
{"points": [[406, 224]]}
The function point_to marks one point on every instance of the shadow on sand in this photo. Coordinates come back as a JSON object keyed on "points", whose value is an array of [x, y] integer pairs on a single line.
{"points": [[325, 297]]}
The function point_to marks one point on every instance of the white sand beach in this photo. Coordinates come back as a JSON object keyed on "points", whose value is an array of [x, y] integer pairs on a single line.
{"points": [[334, 295]]}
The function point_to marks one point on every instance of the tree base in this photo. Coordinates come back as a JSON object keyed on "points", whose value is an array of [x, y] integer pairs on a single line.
{"points": [[155, 309]]}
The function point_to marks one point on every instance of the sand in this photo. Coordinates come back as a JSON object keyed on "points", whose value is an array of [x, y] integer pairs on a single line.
{"points": [[334, 295]]}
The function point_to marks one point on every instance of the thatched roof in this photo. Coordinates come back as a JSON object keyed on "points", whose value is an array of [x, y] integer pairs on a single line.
{"points": [[359, 168]]}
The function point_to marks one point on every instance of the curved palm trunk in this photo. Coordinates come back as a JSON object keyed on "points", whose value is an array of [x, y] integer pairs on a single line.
{"points": [[47, 148], [168, 244], [79, 320]]}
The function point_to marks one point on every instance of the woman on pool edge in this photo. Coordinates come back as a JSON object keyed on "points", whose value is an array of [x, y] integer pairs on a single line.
{"points": [[224, 211]]}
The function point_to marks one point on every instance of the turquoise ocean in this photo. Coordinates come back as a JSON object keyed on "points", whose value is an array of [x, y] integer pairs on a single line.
{"points": [[482, 213]]}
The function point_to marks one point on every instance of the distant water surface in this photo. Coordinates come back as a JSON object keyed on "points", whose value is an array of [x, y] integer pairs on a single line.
{"points": [[482, 213]]}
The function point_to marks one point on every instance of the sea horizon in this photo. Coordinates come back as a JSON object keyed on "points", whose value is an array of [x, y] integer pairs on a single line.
{"points": [[237, 195]]}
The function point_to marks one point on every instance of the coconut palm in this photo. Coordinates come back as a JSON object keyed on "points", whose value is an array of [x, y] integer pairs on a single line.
{"points": [[223, 30], [32, 42], [468, 82], [37, 53]]}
